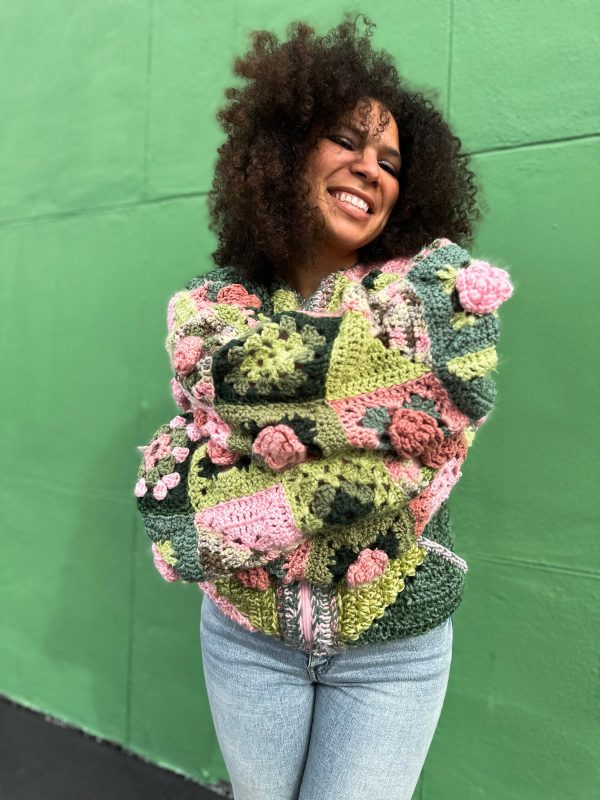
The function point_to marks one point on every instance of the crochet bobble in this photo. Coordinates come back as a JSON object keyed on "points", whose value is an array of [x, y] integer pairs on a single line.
{"points": [[279, 447], [482, 288], [160, 457], [412, 432]]}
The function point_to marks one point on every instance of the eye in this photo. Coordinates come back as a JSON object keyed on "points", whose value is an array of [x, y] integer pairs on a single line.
{"points": [[341, 140], [390, 168]]}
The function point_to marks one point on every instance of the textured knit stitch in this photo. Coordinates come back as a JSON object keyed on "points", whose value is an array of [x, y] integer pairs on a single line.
{"points": [[304, 486]]}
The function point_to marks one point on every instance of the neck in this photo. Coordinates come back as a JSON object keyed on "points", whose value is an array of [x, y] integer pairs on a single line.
{"points": [[305, 278]]}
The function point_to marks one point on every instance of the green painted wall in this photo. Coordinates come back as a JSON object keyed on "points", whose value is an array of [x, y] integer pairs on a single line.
{"points": [[107, 145]]}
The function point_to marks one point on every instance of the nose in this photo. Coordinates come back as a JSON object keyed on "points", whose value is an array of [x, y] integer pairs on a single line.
{"points": [[365, 164]]}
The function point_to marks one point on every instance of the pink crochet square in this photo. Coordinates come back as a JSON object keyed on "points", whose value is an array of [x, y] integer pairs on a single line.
{"points": [[262, 521]]}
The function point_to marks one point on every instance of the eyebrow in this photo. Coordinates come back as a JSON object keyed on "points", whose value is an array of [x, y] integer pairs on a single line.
{"points": [[391, 151]]}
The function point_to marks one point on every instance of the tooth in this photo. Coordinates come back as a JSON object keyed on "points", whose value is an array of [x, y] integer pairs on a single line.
{"points": [[346, 197]]}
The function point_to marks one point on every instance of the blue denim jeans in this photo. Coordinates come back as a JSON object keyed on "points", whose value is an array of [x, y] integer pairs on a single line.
{"points": [[350, 726]]}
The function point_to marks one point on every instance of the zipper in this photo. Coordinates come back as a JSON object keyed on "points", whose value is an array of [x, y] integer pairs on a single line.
{"points": [[305, 612]]}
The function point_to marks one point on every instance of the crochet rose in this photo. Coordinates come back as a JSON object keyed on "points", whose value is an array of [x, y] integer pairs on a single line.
{"points": [[236, 295], [439, 452], [279, 447], [482, 288], [412, 432], [186, 354], [220, 455]]}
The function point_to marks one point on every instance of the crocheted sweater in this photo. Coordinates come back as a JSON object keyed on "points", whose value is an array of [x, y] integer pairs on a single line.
{"points": [[304, 486]]}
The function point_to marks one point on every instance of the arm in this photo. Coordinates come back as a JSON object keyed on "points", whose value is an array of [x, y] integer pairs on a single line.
{"points": [[460, 297]]}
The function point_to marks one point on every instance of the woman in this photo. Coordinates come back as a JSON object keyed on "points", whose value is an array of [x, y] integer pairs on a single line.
{"points": [[333, 371]]}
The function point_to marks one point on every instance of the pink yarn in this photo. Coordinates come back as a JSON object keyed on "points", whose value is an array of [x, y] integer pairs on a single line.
{"points": [[279, 447], [236, 295], [186, 353], [411, 432], [439, 452], [369, 565], [180, 454], [193, 432], [425, 505], [200, 297], [215, 427], [226, 606], [177, 422], [179, 395], [255, 578], [296, 563], [168, 572], [157, 449], [171, 480], [220, 455], [482, 288], [261, 522], [141, 488], [203, 390]]}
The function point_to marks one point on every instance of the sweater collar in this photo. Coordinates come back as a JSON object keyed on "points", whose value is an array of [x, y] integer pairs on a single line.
{"points": [[319, 299]]}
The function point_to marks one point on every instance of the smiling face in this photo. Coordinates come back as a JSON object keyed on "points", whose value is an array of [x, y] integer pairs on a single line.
{"points": [[354, 177]]}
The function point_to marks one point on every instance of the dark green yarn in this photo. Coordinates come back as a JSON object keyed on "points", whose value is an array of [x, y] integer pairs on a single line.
{"points": [[428, 597], [313, 373], [369, 280]]}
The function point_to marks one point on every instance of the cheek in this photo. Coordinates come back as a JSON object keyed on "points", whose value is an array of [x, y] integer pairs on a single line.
{"points": [[391, 198]]}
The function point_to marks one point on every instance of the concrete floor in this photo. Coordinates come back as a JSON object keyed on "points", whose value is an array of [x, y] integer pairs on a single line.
{"points": [[43, 760]]}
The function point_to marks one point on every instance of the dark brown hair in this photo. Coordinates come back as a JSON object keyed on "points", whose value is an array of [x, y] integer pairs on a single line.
{"points": [[293, 92]]}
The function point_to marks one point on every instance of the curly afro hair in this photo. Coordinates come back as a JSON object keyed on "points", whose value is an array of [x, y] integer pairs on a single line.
{"points": [[293, 92]]}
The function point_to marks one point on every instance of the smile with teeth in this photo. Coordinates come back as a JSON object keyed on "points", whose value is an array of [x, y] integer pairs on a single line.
{"points": [[346, 197]]}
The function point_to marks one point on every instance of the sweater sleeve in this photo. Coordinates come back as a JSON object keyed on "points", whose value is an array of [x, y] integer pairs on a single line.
{"points": [[460, 298]]}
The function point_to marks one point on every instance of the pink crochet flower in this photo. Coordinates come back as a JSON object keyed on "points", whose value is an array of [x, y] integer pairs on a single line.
{"points": [[204, 390], [236, 295], [482, 288], [168, 572], [200, 297], [220, 455], [279, 447], [411, 432], [369, 565], [157, 449], [186, 354]]}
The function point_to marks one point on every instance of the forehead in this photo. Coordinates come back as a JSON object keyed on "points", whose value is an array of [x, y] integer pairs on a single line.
{"points": [[372, 120]]}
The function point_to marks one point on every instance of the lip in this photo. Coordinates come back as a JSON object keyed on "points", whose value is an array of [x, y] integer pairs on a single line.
{"points": [[368, 200]]}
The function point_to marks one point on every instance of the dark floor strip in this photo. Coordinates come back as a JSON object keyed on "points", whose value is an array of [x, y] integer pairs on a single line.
{"points": [[41, 759]]}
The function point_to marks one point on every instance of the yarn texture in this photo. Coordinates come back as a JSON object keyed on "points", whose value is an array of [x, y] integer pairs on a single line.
{"points": [[304, 484]]}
